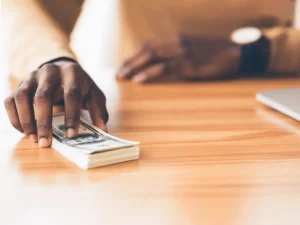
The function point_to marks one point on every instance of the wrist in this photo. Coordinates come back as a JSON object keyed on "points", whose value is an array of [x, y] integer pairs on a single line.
{"points": [[59, 60]]}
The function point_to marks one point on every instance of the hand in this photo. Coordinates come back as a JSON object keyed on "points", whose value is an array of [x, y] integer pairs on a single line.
{"points": [[181, 57], [54, 82]]}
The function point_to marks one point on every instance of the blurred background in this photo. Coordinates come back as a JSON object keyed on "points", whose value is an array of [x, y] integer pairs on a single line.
{"points": [[122, 25], [103, 33]]}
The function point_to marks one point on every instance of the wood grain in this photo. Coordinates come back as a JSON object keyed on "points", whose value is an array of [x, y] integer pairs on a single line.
{"points": [[210, 154]]}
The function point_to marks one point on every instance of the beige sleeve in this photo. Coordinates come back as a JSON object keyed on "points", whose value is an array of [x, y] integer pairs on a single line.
{"points": [[32, 37], [284, 50]]}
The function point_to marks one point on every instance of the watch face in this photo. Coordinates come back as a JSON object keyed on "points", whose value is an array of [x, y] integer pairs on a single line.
{"points": [[246, 35]]}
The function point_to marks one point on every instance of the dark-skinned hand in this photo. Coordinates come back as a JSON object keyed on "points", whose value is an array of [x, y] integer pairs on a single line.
{"points": [[29, 107], [181, 58]]}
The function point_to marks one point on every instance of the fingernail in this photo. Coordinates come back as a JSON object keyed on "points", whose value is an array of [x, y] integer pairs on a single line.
{"points": [[71, 133], [140, 78], [123, 72], [104, 128], [43, 142], [33, 138]]}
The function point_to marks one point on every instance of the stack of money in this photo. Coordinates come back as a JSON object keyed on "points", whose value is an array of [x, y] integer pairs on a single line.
{"points": [[91, 147]]}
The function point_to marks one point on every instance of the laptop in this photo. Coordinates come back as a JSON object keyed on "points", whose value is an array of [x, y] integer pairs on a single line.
{"points": [[286, 101]]}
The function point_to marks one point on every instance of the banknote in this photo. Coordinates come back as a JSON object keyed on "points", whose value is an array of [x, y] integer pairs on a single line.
{"points": [[89, 140]]}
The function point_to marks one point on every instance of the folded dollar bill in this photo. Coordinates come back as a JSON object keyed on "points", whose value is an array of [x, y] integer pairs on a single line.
{"points": [[92, 147]]}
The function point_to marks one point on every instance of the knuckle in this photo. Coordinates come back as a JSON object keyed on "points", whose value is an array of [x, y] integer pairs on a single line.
{"points": [[146, 45], [73, 93], [72, 68], [50, 67], [26, 125], [42, 125], [126, 62], [22, 93], [149, 47], [72, 117], [43, 94], [8, 101], [32, 75], [49, 74]]}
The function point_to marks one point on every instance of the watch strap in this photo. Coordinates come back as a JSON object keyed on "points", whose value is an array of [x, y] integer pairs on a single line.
{"points": [[255, 56]]}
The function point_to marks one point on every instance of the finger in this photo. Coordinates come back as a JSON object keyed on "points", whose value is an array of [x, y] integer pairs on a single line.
{"points": [[12, 112], [24, 104], [141, 61], [170, 47], [151, 73], [48, 79], [135, 55], [167, 71], [96, 104], [164, 48], [73, 97]]}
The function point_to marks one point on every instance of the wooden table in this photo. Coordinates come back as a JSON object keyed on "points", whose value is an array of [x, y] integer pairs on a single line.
{"points": [[210, 154]]}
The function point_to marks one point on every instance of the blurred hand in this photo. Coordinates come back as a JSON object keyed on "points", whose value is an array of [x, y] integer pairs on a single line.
{"points": [[54, 82], [181, 57]]}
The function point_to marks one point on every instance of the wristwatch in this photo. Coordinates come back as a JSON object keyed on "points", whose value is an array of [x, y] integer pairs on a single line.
{"points": [[255, 49]]}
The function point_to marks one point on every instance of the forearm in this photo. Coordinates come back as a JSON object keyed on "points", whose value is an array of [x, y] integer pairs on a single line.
{"points": [[31, 37]]}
